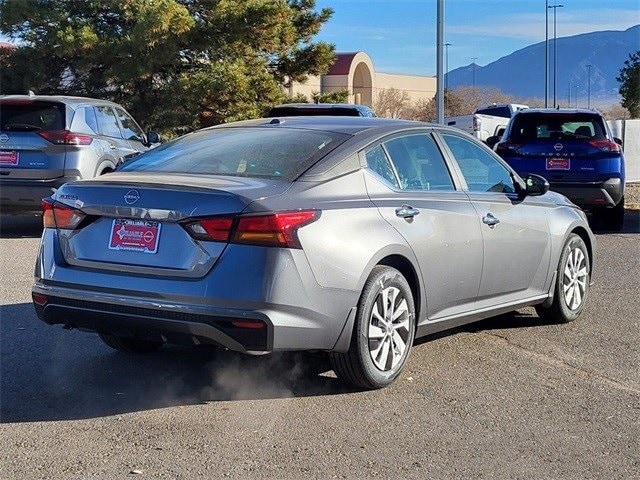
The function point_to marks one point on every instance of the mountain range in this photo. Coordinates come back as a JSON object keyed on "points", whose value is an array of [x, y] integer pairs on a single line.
{"points": [[521, 73]]}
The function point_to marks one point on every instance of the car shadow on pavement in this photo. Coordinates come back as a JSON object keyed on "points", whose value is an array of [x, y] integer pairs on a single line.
{"points": [[631, 223], [20, 226], [48, 373]]}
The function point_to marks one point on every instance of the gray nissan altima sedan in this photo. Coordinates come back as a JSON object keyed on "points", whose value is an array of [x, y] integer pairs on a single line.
{"points": [[352, 236]]}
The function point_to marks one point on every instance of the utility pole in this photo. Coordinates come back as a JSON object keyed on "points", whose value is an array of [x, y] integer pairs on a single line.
{"points": [[446, 74], [546, 54], [439, 52], [555, 51], [589, 86]]}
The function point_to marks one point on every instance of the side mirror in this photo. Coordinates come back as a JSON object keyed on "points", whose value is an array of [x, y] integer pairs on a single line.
{"points": [[536, 185], [491, 141], [153, 137], [617, 140]]}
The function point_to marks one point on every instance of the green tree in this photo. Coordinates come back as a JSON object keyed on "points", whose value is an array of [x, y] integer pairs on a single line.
{"points": [[629, 80], [175, 64]]}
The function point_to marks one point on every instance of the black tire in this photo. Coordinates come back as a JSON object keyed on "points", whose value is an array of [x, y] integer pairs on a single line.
{"points": [[573, 260], [357, 366], [613, 218], [128, 344]]}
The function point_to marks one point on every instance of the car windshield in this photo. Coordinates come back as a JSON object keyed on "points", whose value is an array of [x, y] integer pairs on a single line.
{"points": [[266, 152], [557, 126], [31, 116]]}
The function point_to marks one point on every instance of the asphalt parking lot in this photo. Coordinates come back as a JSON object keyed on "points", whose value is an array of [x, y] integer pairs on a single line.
{"points": [[509, 397]]}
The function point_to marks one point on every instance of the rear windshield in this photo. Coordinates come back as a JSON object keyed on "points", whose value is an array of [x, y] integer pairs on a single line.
{"points": [[265, 152], [496, 111], [557, 126], [26, 116], [311, 111]]}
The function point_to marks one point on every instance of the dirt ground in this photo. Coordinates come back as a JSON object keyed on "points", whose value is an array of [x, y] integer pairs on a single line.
{"points": [[632, 196]]}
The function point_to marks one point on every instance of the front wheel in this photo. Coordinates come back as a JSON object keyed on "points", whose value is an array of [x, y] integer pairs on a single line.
{"points": [[383, 332], [572, 283]]}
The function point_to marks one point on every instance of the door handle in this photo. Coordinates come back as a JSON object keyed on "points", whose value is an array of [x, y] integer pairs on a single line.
{"points": [[407, 211], [490, 220], [112, 146]]}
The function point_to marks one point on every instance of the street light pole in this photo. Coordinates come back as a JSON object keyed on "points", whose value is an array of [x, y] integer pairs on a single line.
{"points": [[546, 54], [555, 56], [575, 96], [589, 86], [439, 51]]}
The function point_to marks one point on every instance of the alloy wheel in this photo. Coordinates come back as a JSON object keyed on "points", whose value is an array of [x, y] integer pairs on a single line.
{"points": [[575, 279], [389, 329]]}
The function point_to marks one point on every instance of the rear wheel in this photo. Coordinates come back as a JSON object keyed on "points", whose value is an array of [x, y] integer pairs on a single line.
{"points": [[572, 283], [383, 332], [128, 344]]}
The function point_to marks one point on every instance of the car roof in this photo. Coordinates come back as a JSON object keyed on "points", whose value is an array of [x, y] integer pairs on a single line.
{"points": [[66, 99], [562, 111], [346, 125]]}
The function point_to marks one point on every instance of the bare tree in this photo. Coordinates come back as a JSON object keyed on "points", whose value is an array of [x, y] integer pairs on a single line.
{"points": [[392, 103]]}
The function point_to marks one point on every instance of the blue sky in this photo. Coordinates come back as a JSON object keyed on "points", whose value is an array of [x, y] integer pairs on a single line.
{"points": [[400, 35]]}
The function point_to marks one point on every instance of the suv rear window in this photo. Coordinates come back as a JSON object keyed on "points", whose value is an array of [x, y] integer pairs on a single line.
{"points": [[28, 116], [496, 111], [264, 152], [557, 126]]}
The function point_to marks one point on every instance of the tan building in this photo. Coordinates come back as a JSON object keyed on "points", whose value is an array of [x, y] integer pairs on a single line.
{"points": [[355, 72]]}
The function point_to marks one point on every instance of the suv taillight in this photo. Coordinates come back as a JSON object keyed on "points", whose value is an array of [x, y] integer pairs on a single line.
{"points": [[508, 146], [272, 230], [65, 137], [605, 145], [56, 215]]}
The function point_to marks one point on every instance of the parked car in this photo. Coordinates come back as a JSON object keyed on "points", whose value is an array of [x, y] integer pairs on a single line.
{"points": [[486, 121], [46, 141], [575, 151], [314, 109], [350, 236]]}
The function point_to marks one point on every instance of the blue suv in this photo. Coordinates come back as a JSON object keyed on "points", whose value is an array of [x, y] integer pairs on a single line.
{"points": [[575, 151]]}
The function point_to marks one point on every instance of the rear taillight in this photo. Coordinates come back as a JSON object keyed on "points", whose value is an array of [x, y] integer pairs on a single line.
{"points": [[65, 137], [605, 145], [55, 215], [272, 230]]}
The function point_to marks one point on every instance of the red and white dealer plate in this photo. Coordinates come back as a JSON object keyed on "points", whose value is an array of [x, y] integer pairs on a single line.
{"points": [[558, 164], [135, 235], [9, 158]]}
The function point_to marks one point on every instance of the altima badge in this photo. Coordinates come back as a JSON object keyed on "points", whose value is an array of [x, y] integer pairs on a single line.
{"points": [[131, 197]]}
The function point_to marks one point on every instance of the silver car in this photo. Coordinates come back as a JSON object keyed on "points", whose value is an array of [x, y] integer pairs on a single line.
{"points": [[352, 236], [46, 141]]}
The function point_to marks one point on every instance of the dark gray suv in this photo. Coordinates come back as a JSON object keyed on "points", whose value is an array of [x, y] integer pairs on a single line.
{"points": [[46, 141]]}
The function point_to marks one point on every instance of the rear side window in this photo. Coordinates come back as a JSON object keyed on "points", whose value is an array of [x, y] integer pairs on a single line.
{"points": [[265, 152], [419, 163], [84, 121], [557, 126], [107, 122], [34, 116]]}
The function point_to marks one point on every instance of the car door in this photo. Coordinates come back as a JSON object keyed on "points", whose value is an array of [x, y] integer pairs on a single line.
{"points": [[109, 127], [409, 182], [517, 245], [131, 132]]}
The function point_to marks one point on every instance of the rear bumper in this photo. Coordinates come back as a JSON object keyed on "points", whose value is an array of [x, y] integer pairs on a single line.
{"points": [[18, 196], [592, 194], [167, 322]]}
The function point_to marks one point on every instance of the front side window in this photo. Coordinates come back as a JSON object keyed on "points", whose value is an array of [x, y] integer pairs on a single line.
{"points": [[419, 163], [481, 170], [265, 152], [108, 122], [130, 128]]}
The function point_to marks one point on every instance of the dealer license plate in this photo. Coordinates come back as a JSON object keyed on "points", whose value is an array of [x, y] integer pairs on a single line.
{"points": [[558, 164], [9, 158], [135, 235]]}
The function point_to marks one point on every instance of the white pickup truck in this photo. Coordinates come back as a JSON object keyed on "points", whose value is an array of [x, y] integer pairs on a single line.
{"points": [[487, 121]]}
